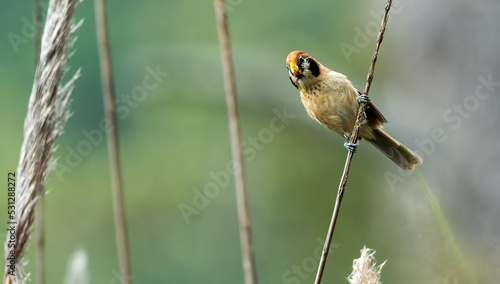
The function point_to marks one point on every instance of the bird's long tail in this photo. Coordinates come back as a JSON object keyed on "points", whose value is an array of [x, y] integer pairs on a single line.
{"points": [[394, 150]]}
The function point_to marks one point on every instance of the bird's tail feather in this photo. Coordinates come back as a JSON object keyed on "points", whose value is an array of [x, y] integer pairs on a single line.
{"points": [[394, 150]]}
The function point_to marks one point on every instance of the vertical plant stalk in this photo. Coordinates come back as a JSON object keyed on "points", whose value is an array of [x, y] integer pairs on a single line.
{"points": [[445, 226], [354, 138], [44, 122], [248, 259], [40, 225], [112, 137]]}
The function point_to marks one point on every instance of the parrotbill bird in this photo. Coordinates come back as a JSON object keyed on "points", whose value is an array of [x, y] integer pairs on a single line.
{"points": [[332, 100]]}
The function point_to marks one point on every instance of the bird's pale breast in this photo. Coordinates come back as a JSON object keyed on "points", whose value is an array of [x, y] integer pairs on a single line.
{"points": [[332, 102]]}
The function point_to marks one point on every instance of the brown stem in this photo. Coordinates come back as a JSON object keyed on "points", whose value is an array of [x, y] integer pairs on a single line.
{"points": [[241, 199], [353, 140], [113, 149]]}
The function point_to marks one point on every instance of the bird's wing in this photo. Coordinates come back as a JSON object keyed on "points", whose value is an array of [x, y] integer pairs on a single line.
{"points": [[373, 114]]}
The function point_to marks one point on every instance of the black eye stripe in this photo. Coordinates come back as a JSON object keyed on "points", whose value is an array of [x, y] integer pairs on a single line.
{"points": [[313, 67]]}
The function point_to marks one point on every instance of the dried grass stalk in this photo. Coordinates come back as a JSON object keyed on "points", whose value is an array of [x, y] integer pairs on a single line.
{"points": [[44, 122], [247, 254], [108, 90]]}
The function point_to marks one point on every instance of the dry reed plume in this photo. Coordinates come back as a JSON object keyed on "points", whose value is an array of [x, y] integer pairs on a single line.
{"points": [[77, 271], [365, 269], [44, 122]]}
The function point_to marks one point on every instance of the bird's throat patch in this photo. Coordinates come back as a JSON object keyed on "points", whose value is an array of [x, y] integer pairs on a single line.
{"points": [[293, 82]]}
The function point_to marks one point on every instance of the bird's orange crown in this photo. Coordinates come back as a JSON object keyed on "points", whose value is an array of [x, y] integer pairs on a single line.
{"points": [[294, 56]]}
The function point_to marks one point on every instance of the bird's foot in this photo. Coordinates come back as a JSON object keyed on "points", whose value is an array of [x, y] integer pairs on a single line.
{"points": [[349, 146], [363, 99]]}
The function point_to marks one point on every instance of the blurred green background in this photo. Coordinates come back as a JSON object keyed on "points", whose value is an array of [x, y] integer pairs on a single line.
{"points": [[174, 139]]}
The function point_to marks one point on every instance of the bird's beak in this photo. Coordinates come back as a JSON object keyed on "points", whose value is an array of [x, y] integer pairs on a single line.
{"points": [[295, 69]]}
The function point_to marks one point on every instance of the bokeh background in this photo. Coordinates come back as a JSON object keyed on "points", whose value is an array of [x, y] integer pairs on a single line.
{"points": [[429, 82]]}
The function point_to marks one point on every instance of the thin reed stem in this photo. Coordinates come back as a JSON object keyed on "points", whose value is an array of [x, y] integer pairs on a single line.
{"points": [[353, 140], [112, 137], [249, 270]]}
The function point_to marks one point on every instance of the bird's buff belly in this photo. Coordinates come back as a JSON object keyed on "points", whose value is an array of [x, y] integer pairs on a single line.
{"points": [[336, 118]]}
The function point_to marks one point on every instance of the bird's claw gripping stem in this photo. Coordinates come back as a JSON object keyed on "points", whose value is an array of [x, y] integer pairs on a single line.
{"points": [[363, 99], [349, 146]]}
